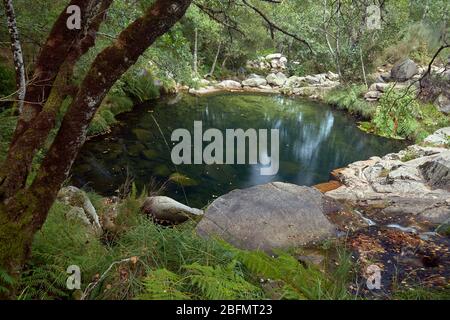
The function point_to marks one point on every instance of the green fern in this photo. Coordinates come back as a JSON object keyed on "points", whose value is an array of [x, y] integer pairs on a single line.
{"points": [[46, 282], [222, 283], [299, 282], [163, 284], [5, 281]]}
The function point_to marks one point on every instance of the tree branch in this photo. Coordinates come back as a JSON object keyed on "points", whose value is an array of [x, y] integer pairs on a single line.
{"points": [[273, 26]]}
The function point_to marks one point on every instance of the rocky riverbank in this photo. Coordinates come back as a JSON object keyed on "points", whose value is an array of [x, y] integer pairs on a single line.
{"points": [[391, 212], [270, 76]]}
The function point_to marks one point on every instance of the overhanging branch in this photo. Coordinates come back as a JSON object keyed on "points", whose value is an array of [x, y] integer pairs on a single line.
{"points": [[273, 26]]}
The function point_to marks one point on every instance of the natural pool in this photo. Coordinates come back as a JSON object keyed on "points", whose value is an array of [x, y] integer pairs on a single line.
{"points": [[314, 140]]}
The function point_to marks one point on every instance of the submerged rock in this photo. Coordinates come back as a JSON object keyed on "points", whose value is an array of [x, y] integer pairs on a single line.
{"points": [[274, 215], [166, 211], [182, 180]]}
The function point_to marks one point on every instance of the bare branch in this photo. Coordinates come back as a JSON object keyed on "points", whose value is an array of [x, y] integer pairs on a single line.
{"points": [[273, 26]]}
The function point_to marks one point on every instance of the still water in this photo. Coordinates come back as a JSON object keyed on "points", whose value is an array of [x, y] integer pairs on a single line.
{"points": [[314, 140]]}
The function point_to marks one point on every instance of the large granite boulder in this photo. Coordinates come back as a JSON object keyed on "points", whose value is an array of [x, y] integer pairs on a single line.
{"points": [[274, 215], [404, 70]]}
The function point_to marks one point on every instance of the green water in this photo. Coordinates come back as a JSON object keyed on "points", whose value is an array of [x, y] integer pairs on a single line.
{"points": [[314, 140]]}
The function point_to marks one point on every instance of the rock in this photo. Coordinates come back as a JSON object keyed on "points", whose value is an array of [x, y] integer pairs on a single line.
{"points": [[167, 211], [312, 79], [386, 76], [78, 214], [373, 95], [273, 56], [254, 82], [295, 82], [443, 103], [204, 82], [150, 154], [404, 70], [440, 138], [142, 134], [382, 87], [277, 80], [437, 172], [400, 188], [312, 91], [255, 76], [332, 76], [229, 85], [274, 215], [77, 198]]}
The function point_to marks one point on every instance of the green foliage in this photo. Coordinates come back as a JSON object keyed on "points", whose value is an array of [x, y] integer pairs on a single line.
{"points": [[162, 284], [7, 81], [422, 293], [6, 281], [44, 282], [105, 117], [63, 241], [222, 282], [351, 99], [98, 126], [397, 114], [299, 282], [401, 115], [200, 282], [141, 86]]}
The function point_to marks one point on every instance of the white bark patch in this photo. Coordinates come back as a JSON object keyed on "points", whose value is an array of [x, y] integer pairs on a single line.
{"points": [[17, 53]]}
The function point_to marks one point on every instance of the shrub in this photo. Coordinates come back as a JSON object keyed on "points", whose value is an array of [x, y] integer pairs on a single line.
{"points": [[351, 99]]}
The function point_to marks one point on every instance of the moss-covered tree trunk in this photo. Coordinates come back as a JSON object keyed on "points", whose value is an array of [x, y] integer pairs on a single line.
{"points": [[23, 210]]}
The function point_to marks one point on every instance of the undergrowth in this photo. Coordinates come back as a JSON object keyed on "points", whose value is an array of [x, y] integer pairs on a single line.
{"points": [[351, 99], [142, 260], [397, 115]]}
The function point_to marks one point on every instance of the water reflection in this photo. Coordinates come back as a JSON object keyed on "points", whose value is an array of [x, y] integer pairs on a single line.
{"points": [[314, 140]]}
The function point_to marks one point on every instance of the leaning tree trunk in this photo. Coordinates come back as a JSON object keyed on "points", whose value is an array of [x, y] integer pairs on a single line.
{"points": [[23, 214], [16, 48]]}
